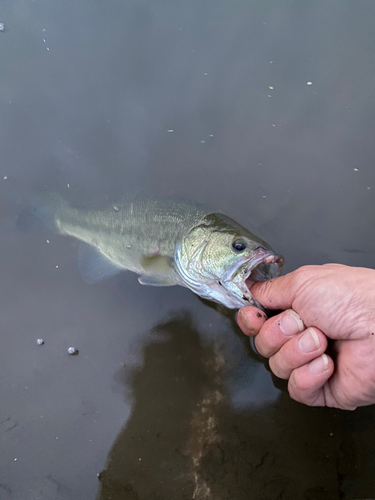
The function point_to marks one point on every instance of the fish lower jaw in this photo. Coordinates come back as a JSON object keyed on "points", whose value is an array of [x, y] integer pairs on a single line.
{"points": [[249, 300], [236, 293], [247, 282]]}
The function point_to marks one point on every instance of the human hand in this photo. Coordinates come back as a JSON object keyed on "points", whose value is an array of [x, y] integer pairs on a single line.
{"points": [[320, 302]]}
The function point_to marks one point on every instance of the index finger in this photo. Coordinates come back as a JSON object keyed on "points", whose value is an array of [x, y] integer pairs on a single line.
{"points": [[250, 320]]}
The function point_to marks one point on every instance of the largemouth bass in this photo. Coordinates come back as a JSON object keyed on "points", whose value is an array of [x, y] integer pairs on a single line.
{"points": [[166, 243]]}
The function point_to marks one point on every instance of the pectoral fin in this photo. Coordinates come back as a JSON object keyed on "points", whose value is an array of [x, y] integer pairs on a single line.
{"points": [[94, 266], [156, 281], [157, 264], [160, 268]]}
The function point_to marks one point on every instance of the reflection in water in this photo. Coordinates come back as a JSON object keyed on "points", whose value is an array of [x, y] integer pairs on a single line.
{"points": [[184, 442], [176, 395]]}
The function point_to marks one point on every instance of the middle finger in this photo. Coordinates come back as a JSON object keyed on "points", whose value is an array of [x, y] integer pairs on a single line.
{"points": [[276, 331], [299, 351]]}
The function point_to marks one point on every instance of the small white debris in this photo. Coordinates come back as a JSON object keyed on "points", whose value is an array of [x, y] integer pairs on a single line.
{"points": [[2, 27], [139, 459], [205, 74], [56, 267], [170, 131], [269, 95], [47, 48], [115, 208], [15, 460], [271, 62], [44, 29], [47, 241], [44, 40], [68, 185], [331, 433], [5, 177], [40, 341], [202, 142], [211, 135], [368, 188], [72, 351], [308, 83], [264, 196], [273, 125]]}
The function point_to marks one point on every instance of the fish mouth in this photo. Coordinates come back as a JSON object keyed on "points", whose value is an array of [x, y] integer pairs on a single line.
{"points": [[263, 266]]}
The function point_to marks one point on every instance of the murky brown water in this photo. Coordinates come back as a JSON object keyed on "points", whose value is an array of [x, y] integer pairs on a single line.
{"points": [[166, 400]]}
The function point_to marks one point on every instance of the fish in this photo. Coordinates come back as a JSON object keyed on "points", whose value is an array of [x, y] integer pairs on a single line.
{"points": [[165, 242]]}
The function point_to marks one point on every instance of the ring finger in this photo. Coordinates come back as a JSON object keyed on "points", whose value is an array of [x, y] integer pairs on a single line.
{"points": [[300, 350]]}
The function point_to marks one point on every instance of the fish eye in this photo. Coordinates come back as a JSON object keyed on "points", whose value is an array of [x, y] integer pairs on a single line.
{"points": [[239, 246]]}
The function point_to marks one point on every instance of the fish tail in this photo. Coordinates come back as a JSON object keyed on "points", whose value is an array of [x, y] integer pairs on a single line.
{"points": [[41, 216]]}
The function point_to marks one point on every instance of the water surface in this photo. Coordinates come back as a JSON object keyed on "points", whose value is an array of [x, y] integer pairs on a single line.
{"points": [[207, 101]]}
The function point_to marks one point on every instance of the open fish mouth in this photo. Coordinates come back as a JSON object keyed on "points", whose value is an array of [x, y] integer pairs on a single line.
{"points": [[264, 266]]}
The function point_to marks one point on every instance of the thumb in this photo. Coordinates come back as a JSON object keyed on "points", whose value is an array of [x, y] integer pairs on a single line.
{"points": [[278, 293]]}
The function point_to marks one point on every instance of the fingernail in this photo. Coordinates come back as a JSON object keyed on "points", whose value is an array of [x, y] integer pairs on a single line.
{"points": [[250, 329], [290, 323], [319, 365], [309, 341]]}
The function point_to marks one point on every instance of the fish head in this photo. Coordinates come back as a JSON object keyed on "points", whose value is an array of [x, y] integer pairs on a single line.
{"points": [[218, 259]]}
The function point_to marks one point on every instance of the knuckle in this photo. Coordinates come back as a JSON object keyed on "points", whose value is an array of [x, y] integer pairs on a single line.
{"points": [[261, 347], [295, 393], [303, 273], [298, 386], [277, 369], [273, 347], [266, 345]]}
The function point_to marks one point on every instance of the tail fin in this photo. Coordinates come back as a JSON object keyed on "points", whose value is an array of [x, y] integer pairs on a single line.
{"points": [[41, 216]]}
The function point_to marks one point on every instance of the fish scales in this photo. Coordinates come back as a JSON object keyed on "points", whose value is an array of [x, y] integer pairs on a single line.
{"points": [[136, 229], [166, 243]]}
